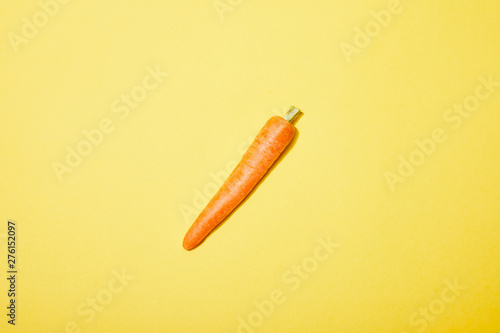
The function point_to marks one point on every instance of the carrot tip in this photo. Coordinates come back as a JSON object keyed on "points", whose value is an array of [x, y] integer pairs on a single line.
{"points": [[187, 247], [292, 114]]}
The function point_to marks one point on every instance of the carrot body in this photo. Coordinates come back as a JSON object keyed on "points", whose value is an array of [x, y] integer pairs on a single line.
{"points": [[267, 146]]}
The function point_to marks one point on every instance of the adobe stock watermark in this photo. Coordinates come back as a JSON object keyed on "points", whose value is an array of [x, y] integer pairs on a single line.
{"points": [[453, 119], [363, 36], [420, 320], [203, 195], [30, 27], [223, 6], [121, 108], [292, 279], [88, 310]]}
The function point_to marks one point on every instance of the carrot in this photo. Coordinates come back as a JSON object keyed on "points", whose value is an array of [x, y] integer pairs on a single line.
{"points": [[272, 139]]}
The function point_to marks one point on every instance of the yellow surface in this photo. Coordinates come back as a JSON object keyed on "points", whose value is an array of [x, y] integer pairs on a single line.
{"points": [[402, 237]]}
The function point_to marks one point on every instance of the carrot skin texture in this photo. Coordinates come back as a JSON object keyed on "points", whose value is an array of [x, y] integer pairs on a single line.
{"points": [[267, 146]]}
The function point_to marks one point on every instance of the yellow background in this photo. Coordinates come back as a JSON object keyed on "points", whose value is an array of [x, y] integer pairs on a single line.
{"points": [[121, 209]]}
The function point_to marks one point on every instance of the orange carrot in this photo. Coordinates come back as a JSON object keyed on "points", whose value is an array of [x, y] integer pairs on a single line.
{"points": [[272, 139]]}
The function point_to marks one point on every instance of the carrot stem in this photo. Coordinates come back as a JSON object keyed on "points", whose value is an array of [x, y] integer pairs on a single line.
{"points": [[292, 114]]}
